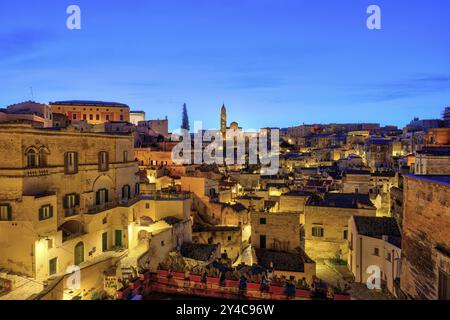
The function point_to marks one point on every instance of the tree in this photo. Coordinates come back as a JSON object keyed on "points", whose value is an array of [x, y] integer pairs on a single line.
{"points": [[185, 121]]}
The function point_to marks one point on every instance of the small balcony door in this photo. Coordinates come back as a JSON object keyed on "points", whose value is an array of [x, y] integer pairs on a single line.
{"points": [[118, 238]]}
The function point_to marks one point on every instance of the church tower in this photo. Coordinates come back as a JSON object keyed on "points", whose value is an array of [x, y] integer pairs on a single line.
{"points": [[223, 120]]}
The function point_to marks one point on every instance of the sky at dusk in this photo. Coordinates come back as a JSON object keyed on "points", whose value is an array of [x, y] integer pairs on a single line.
{"points": [[273, 63]]}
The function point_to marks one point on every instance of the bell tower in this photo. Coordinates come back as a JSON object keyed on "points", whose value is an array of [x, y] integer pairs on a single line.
{"points": [[223, 120]]}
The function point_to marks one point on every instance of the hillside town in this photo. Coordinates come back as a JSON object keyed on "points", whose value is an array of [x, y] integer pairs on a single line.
{"points": [[94, 206]]}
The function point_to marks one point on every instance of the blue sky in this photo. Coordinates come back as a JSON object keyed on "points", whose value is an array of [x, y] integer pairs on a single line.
{"points": [[273, 63]]}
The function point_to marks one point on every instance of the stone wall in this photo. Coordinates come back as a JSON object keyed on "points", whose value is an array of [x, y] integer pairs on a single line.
{"points": [[334, 221], [282, 230], [426, 236]]}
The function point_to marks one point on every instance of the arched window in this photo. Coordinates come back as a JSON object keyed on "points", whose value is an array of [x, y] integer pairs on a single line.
{"points": [[32, 159]]}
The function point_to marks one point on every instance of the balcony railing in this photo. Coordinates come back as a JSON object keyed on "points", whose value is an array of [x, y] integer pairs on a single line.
{"points": [[166, 196], [70, 212], [101, 207], [129, 202], [36, 172]]}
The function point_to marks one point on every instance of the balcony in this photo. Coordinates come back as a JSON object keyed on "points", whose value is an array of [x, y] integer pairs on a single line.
{"points": [[129, 202], [70, 212], [166, 196], [36, 172], [101, 207]]}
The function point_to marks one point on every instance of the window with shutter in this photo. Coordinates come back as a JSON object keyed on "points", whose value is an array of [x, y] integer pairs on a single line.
{"points": [[45, 212], [103, 161], [71, 163], [5, 213]]}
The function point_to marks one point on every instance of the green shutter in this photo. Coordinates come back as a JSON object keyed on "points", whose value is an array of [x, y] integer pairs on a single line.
{"points": [[77, 199], [75, 162], [41, 213], [107, 160], [97, 198], [51, 211], [65, 202], [66, 162], [99, 161], [9, 213], [106, 196], [123, 192]]}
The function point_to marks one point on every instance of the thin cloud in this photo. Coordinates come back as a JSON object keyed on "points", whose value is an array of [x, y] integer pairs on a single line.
{"points": [[414, 87]]}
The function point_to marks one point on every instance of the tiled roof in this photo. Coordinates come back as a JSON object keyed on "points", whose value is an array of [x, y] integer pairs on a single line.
{"points": [[297, 193], [341, 200], [377, 227]]}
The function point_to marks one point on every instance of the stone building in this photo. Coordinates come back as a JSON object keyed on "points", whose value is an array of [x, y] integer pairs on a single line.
{"points": [[426, 237], [279, 231], [326, 223], [277, 246], [39, 114], [356, 181], [136, 117], [375, 241], [432, 161], [229, 238], [69, 197], [72, 199], [94, 112], [378, 153]]}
